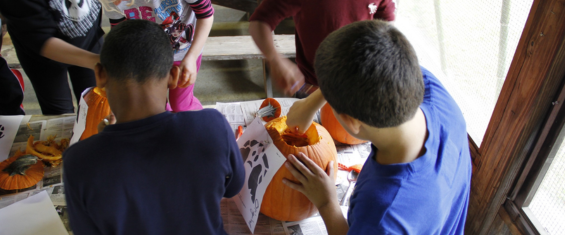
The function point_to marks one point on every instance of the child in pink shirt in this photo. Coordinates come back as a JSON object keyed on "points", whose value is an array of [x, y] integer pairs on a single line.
{"points": [[187, 24]]}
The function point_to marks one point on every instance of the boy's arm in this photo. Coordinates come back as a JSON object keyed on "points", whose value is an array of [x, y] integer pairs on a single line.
{"points": [[61, 51], [319, 187], [235, 183], [205, 18], [302, 112], [263, 21]]}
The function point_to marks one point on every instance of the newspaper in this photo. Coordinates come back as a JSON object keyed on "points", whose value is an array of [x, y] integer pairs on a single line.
{"points": [[233, 114], [311, 226], [41, 127]]}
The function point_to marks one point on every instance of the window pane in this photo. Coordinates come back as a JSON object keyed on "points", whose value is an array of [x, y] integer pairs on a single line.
{"points": [[548, 204], [468, 45]]}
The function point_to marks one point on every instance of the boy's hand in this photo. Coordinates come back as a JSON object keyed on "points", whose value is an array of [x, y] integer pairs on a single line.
{"points": [[300, 115], [286, 75], [188, 71], [318, 186]]}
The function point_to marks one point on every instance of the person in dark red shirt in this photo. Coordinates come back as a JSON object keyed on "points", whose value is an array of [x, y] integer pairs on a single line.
{"points": [[314, 20]]}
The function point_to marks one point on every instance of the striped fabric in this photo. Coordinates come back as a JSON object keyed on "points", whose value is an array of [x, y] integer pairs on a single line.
{"points": [[202, 9]]}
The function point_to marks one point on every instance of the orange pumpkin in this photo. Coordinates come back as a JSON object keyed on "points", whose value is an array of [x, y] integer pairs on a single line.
{"points": [[335, 129], [98, 109], [271, 114], [17, 181], [280, 201]]}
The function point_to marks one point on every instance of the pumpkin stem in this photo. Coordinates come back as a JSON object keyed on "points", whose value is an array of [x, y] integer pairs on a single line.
{"points": [[21, 165]]}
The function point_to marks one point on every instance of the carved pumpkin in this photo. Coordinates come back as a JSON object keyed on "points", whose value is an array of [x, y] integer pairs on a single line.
{"points": [[335, 129], [280, 201], [98, 109], [20, 174]]}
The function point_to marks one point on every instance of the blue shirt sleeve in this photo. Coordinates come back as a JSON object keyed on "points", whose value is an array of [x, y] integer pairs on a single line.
{"points": [[235, 183]]}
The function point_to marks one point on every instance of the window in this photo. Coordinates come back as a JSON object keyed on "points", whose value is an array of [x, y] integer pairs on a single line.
{"points": [[468, 45], [548, 204]]}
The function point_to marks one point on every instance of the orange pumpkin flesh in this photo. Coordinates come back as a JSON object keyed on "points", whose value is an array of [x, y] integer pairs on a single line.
{"points": [[335, 129], [280, 201], [98, 109], [32, 175]]}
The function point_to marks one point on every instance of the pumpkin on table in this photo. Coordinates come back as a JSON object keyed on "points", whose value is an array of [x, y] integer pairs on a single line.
{"points": [[98, 109], [20, 171], [335, 129], [280, 201]]}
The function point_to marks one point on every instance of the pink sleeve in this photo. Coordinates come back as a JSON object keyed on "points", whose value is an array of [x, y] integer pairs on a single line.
{"points": [[385, 11], [273, 12], [202, 8]]}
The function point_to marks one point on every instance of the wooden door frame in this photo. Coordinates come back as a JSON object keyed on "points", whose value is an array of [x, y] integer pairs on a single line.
{"points": [[533, 80]]}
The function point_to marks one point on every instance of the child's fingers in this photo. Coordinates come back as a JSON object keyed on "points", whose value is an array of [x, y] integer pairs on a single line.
{"points": [[313, 168], [330, 169], [300, 166], [292, 185], [296, 173]]}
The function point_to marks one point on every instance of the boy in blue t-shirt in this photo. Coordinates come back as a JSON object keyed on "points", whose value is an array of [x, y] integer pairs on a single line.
{"points": [[417, 178], [153, 172]]}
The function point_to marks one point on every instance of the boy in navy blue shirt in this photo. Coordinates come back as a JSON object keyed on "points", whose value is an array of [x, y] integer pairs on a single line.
{"points": [[417, 178], [153, 172]]}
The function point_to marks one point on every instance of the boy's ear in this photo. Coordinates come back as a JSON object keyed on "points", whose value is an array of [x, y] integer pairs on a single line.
{"points": [[349, 123], [174, 75], [100, 75]]}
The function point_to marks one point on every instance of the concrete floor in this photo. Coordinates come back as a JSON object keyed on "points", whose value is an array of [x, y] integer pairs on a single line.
{"points": [[218, 81]]}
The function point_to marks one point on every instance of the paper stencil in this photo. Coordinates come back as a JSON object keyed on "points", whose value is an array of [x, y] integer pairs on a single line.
{"points": [[261, 160], [8, 129], [80, 121]]}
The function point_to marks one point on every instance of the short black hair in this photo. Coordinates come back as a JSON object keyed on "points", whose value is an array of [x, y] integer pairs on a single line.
{"points": [[136, 49], [369, 71]]}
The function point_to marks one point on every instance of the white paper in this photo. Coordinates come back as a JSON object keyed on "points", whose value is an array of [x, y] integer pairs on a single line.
{"points": [[8, 129], [80, 121], [261, 160], [33, 215]]}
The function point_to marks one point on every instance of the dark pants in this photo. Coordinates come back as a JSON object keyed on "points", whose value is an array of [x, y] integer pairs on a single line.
{"points": [[50, 81], [11, 93]]}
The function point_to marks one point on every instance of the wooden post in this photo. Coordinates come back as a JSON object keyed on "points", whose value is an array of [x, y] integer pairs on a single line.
{"points": [[532, 82]]}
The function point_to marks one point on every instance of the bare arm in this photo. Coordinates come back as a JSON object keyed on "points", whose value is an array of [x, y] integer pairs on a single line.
{"points": [[285, 73], [188, 65], [203, 27], [261, 34], [303, 111], [61, 51]]}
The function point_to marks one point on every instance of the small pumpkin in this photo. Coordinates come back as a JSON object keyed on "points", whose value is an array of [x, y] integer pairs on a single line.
{"points": [[20, 171], [269, 109], [335, 129], [280, 201], [98, 109]]}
